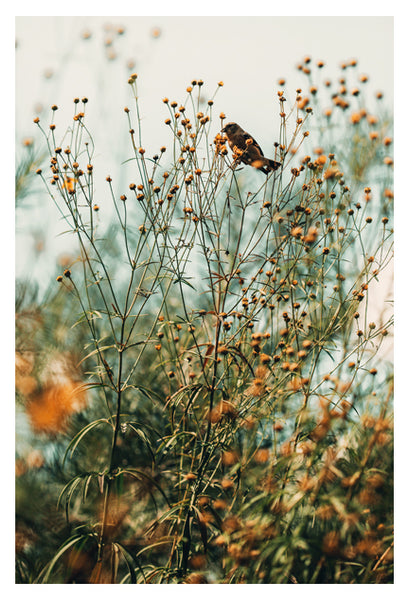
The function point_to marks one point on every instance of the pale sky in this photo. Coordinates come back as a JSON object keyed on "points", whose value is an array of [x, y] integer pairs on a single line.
{"points": [[249, 54]]}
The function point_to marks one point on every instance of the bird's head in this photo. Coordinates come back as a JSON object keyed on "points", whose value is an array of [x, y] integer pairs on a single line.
{"points": [[231, 128]]}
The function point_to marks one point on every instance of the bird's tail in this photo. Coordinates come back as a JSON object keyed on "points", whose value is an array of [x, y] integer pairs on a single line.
{"points": [[265, 164], [272, 165]]}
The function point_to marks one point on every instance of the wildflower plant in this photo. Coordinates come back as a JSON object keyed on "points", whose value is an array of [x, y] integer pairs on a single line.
{"points": [[229, 424]]}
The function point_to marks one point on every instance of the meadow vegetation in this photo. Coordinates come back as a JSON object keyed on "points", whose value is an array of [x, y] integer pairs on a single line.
{"points": [[210, 390]]}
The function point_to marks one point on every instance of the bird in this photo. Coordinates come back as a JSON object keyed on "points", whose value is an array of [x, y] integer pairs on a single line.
{"points": [[246, 149]]}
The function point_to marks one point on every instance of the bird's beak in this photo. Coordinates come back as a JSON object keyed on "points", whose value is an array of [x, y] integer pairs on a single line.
{"points": [[223, 130]]}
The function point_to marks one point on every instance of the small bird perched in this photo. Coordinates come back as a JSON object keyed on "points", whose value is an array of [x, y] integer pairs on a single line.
{"points": [[246, 149]]}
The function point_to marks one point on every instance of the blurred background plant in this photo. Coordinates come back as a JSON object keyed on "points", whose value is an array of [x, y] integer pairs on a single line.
{"points": [[204, 391]]}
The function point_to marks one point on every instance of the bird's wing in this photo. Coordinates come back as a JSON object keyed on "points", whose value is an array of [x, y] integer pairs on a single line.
{"points": [[247, 136]]}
